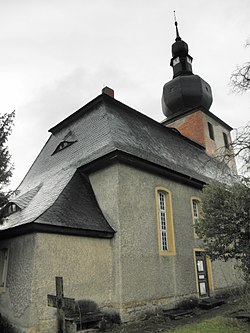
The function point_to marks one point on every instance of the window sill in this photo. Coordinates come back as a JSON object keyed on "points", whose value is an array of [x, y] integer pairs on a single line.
{"points": [[3, 290], [167, 253]]}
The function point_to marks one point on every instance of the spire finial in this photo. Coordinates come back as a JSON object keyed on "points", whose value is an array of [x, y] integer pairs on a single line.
{"points": [[176, 27]]}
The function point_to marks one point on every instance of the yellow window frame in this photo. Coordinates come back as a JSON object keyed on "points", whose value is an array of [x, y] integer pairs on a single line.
{"points": [[169, 223]]}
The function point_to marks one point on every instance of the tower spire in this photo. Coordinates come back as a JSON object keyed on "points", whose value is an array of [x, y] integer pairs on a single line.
{"points": [[176, 28], [186, 90]]}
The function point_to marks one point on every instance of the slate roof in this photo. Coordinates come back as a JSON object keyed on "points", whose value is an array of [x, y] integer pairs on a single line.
{"points": [[23, 200], [76, 203], [101, 127]]}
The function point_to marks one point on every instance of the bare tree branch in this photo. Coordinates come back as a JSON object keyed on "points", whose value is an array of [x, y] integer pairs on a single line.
{"points": [[240, 78], [238, 149]]}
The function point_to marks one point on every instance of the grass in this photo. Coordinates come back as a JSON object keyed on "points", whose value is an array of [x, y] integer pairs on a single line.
{"points": [[216, 325]]}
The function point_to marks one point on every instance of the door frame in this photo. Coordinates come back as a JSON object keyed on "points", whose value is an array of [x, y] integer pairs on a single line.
{"points": [[208, 263]]}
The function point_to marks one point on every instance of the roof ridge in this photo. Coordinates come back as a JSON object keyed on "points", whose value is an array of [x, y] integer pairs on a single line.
{"points": [[77, 114]]}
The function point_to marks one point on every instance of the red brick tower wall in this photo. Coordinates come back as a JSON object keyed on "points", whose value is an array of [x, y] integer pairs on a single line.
{"points": [[191, 126]]}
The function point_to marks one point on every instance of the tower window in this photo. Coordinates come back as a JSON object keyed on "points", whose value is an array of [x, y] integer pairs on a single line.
{"points": [[176, 61], [210, 130], [226, 140]]}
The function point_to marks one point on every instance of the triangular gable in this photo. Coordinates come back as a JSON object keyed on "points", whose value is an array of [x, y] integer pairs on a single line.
{"points": [[62, 145]]}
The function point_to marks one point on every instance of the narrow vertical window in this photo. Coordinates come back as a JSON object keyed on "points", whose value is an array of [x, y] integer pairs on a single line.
{"points": [[210, 130], [3, 268], [195, 211], [165, 222], [226, 143], [195, 202]]}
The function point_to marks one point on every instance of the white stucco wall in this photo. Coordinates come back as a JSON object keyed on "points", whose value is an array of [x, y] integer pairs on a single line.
{"points": [[85, 265]]}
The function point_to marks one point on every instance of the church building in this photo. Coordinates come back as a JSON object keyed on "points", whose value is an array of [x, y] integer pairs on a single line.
{"points": [[110, 205]]}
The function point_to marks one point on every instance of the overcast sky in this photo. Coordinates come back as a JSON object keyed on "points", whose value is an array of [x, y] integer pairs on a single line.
{"points": [[57, 55]]}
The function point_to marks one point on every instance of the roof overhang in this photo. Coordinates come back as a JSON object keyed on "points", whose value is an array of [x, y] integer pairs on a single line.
{"points": [[131, 160], [34, 227]]}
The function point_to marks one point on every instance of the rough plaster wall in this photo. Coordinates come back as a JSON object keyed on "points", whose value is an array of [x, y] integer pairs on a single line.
{"points": [[15, 302], [105, 184], [142, 276], [226, 275], [125, 272], [84, 263], [146, 275]]}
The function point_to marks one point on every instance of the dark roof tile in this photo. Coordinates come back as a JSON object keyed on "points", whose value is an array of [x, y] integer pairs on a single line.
{"points": [[76, 207]]}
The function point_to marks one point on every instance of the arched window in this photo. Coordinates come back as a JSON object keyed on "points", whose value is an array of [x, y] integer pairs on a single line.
{"points": [[165, 222]]}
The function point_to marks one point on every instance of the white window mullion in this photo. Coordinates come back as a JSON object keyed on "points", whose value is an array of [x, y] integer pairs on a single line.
{"points": [[163, 220]]}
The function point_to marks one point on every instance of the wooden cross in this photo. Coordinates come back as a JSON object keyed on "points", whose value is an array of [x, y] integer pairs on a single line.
{"points": [[60, 302]]}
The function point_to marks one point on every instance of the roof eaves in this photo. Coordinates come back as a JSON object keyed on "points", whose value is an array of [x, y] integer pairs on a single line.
{"points": [[126, 158], [45, 228]]}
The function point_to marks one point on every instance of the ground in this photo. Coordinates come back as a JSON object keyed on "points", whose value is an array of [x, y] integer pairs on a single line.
{"points": [[161, 323]]}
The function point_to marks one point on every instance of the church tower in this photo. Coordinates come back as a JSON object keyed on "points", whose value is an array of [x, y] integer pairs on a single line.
{"points": [[186, 100]]}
